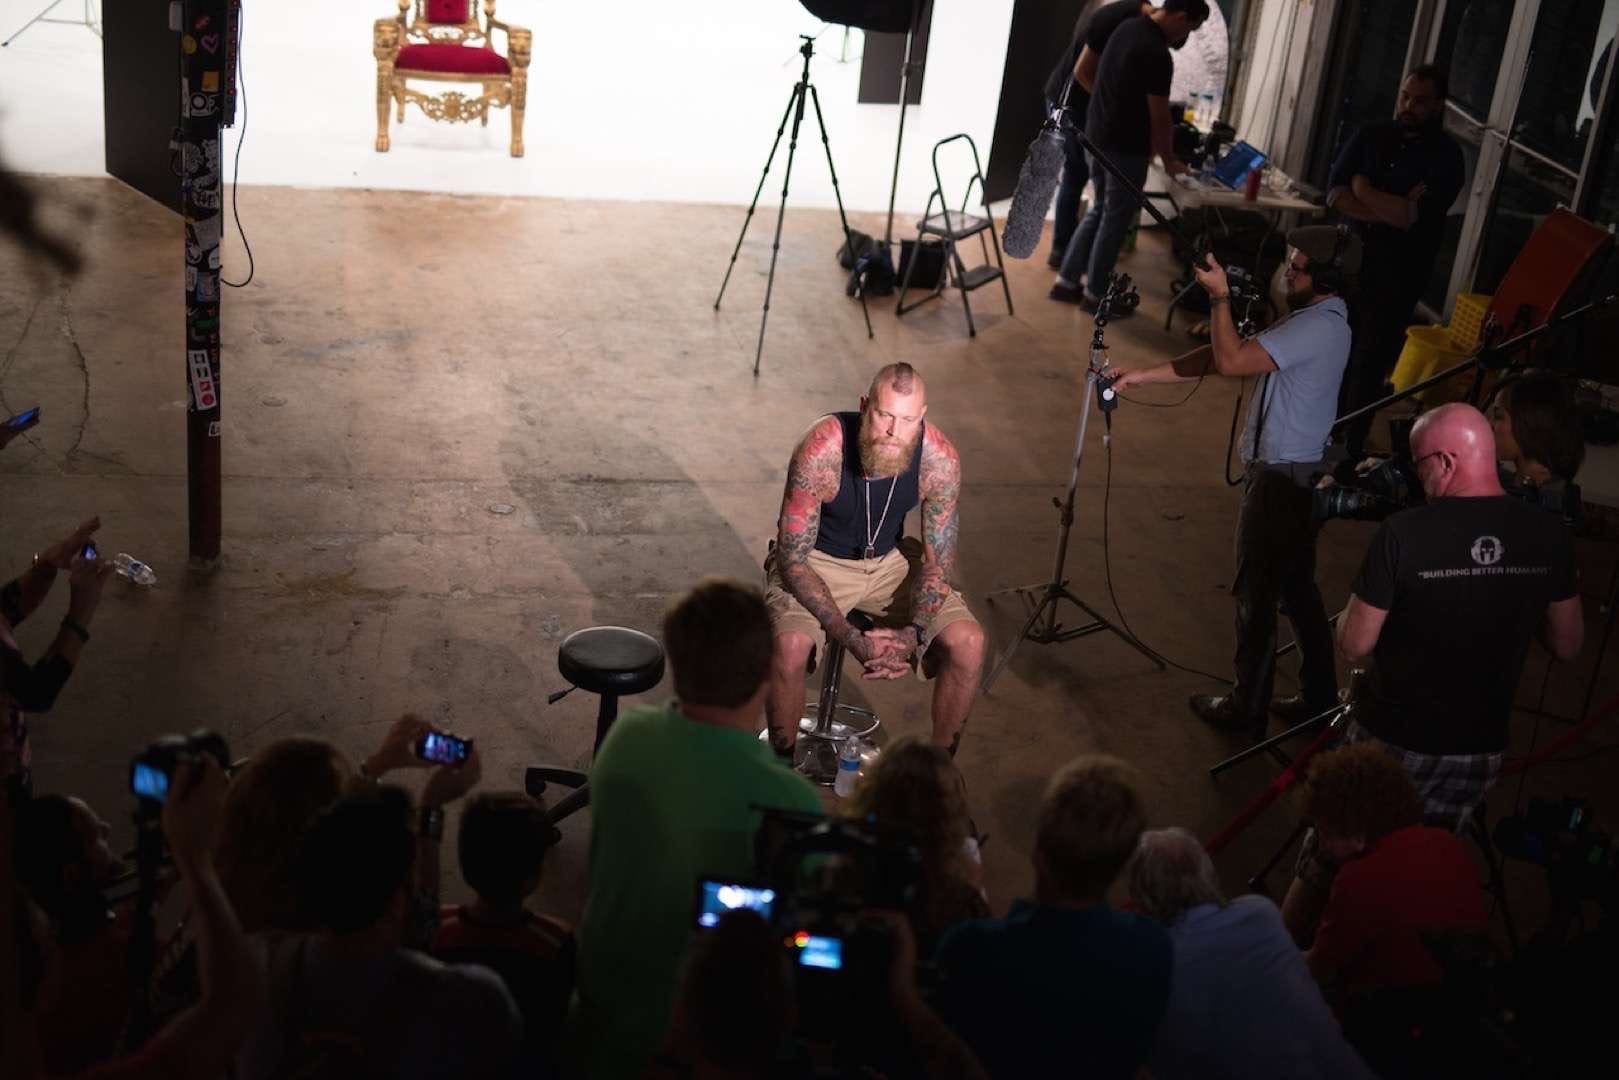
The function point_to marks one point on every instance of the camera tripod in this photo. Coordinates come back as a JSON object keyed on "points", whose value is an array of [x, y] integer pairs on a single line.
{"points": [[44, 16], [1044, 599], [802, 90]]}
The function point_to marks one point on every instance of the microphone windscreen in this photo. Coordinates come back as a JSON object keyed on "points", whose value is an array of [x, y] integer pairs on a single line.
{"points": [[1036, 184]]}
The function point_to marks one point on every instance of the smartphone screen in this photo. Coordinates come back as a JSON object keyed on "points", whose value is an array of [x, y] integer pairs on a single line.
{"points": [[715, 898], [22, 418], [442, 749], [90, 553], [819, 951], [148, 781]]}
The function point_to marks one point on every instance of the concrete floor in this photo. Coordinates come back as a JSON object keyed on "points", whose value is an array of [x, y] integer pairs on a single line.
{"points": [[402, 365]]}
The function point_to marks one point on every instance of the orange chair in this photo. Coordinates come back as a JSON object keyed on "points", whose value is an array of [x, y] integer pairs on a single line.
{"points": [[444, 41]]}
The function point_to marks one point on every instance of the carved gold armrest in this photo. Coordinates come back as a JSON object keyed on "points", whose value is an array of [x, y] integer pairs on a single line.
{"points": [[385, 39], [519, 44]]}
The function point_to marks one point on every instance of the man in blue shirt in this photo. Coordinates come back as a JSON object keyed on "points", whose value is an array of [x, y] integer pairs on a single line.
{"points": [[1064, 985], [1393, 184], [1300, 360]]}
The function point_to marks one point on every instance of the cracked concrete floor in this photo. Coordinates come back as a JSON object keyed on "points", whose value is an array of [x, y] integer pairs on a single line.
{"points": [[405, 367]]}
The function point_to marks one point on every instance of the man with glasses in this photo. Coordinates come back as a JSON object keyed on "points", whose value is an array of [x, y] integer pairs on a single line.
{"points": [[1441, 614], [1300, 360]]}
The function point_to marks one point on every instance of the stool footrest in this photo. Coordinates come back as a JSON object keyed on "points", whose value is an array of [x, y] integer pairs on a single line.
{"points": [[537, 777]]}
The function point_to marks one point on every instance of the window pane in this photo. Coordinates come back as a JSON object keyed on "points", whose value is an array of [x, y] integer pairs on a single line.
{"points": [[1572, 41], [1471, 42]]}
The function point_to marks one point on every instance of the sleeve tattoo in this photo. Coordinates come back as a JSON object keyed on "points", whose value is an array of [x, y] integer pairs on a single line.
{"points": [[812, 476], [941, 491]]}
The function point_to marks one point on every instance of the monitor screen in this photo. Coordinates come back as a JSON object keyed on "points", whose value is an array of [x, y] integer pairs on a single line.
{"points": [[1233, 169]]}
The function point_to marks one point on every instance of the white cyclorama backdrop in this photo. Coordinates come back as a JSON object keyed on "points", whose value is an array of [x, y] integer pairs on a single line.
{"points": [[641, 99]]}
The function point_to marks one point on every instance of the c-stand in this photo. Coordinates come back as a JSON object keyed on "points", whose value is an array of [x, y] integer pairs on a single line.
{"points": [[802, 90], [1120, 291]]}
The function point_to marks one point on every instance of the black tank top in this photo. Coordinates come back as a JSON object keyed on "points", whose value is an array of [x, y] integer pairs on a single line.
{"points": [[843, 520]]}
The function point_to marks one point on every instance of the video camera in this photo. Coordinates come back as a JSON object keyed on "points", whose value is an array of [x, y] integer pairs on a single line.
{"points": [[152, 770], [821, 878]]}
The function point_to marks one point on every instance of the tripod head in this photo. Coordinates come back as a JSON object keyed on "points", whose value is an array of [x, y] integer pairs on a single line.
{"points": [[807, 49]]}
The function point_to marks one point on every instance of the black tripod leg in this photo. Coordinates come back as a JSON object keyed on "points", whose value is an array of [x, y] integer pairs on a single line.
{"points": [[1257, 882], [756, 192], [815, 99], [797, 110]]}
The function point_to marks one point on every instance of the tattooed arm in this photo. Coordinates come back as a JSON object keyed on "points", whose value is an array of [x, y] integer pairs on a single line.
{"points": [[941, 491], [812, 478]]}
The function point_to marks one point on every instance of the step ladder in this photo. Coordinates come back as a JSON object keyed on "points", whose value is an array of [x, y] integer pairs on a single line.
{"points": [[951, 227]]}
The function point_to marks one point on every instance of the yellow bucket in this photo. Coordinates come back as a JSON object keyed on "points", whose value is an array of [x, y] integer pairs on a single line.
{"points": [[1467, 321], [1428, 351]]}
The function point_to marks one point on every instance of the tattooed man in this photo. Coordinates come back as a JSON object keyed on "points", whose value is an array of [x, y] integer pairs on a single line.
{"points": [[840, 547]]}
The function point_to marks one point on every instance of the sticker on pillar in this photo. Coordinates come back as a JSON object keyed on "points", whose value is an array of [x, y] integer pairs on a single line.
{"points": [[204, 392], [202, 22], [210, 80], [191, 279], [188, 44], [207, 288], [190, 158], [200, 104], [205, 195], [210, 43], [213, 429]]}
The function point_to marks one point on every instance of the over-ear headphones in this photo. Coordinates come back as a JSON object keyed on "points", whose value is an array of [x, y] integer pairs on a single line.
{"points": [[1330, 276]]}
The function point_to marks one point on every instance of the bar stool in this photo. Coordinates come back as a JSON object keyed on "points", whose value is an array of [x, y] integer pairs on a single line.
{"points": [[821, 732], [611, 661]]}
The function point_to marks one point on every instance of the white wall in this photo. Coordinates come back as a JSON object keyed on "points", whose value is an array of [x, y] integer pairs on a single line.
{"points": [[639, 99], [1270, 95]]}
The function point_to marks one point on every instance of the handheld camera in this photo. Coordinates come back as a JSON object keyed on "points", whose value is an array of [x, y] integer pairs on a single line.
{"points": [[153, 768]]}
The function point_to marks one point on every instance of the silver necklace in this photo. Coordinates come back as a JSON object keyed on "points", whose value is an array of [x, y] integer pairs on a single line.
{"points": [[871, 535]]}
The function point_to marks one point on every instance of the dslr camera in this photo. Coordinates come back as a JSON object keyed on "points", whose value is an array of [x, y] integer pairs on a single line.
{"points": [[152, 770]]}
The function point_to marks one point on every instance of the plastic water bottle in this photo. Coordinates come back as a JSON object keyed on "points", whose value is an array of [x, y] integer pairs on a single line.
{"points": [[133, 569], [848, 767]]}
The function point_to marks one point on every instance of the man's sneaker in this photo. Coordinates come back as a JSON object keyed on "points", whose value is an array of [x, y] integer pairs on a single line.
{"points": [[1219, 711], [1296, 710]]}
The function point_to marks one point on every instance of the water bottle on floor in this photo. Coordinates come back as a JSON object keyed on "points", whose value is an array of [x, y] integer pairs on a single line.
{"points": [[848, 767], [133, 569]]}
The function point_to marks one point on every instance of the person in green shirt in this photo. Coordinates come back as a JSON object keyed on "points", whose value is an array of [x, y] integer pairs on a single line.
{"points": [[672, 797]]}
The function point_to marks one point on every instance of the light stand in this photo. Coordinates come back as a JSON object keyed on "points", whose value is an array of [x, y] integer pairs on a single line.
{"points": [[44, 17], [904, 100], [1042, 624], [803, 90]]}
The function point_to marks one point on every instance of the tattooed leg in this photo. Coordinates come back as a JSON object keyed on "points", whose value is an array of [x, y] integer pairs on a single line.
{"points": [[963, 646], [785, 702]]}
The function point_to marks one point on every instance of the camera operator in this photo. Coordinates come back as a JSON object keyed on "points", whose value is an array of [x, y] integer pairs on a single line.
{"points": [[1301, 359], [26, 688], [1442, 612]]}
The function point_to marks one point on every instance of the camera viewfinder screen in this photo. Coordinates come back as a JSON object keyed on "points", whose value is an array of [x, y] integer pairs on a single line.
{"points": [[148, 782], [445, 749], [718, 897], [817, 951]]}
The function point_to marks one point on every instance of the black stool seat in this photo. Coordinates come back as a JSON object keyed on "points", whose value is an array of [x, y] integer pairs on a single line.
{"points": [[611, 660]]}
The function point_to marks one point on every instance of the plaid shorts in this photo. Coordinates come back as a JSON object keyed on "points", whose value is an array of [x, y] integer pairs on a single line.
{"points": [[1452, 788]]}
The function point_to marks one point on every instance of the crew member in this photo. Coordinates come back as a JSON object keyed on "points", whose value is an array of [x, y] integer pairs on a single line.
{"points": [[1076, 73], [1128, 121], [1442, 612], [1537, 433], [840, 547], [1393, 184], [1301, 359]]}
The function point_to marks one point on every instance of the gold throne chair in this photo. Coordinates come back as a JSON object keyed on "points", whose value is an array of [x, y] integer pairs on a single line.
{"points": [[444, 41]]}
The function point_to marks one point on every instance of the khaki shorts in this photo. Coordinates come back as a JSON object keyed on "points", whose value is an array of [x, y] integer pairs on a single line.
{"points": [[883, 587]]}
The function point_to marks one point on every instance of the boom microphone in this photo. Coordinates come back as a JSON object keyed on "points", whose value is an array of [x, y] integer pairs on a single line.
{"points": [[1036, 184]]}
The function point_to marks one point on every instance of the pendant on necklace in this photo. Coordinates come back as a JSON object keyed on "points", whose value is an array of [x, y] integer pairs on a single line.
{"points": [[871, 552]]}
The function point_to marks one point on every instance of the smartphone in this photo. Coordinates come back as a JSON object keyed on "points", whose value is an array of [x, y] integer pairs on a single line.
{"points": [[442, 749], [23, 419], [819, 951], [89, 551], [148, 781], [716, 897]]}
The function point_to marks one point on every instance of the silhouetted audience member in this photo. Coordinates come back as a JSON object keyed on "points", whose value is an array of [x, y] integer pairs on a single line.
{"points": [[915, 792], [502, 844], [1064, 983], [1242, 1002], [350, 1000], [200, 1042], [1398, 878], [64, 864], [674, 793], [32, 688], [737, 1011]]}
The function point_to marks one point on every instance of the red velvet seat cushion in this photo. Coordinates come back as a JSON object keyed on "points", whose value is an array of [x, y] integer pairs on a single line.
{"points": [[447, 11], [452, 59]]}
